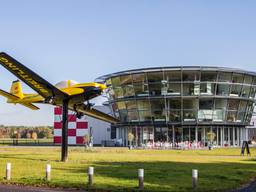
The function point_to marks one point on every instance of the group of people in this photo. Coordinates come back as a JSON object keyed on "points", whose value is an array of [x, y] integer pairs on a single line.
{"points": [[175, 145]]}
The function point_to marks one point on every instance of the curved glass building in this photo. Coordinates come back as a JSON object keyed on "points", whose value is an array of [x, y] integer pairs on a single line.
{"points": [[178, 105]]}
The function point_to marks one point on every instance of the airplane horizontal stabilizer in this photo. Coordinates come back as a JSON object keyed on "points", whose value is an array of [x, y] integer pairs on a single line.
{"points": [[30, 106], [12, 99], [8, 95]]}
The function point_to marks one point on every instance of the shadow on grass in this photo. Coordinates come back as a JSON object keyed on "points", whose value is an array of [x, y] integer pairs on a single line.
{"points": [[22, 156], [159, 175], [165, 176]]}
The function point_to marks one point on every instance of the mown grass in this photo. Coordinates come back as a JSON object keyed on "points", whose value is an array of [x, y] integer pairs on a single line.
{"points": [[116, 168]]}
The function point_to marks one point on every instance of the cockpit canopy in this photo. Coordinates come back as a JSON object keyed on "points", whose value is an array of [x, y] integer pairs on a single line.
{"points": [[66, 84]]}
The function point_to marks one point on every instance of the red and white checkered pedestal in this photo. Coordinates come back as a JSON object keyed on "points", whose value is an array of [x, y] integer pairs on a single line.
{"points": [[77, 128]]}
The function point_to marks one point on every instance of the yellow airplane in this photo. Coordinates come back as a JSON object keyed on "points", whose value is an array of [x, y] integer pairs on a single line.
{"points": [[75, 95]]}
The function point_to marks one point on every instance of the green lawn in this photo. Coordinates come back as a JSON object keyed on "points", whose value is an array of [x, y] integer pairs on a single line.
{"points": [[116, 168]]}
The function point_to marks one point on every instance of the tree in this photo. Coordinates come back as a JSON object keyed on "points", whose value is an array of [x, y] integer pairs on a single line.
{"points": [[18, 135], [130, 138], [34, 135], [211, 136], [28, 135], [86, 139]]}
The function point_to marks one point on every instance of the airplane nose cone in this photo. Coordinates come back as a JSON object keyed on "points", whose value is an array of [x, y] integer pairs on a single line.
{"points": [[102, 86]]}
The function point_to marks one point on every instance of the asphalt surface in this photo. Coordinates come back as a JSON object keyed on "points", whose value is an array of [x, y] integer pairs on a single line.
{"points": [[16, 188], [247, 188]]}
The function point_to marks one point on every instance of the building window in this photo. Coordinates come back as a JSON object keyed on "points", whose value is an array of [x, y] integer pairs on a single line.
{"points": [[205, 112], [131, 104], [155, 89], [118, 92], [191, 89], [145, 115], [248, 79], [233, 104], [246, 91], [224, 77], [238, 78], [171, 76], [235, 90], [190, 104], [128, 91], [125, 79], [155, 77], [115, 82], [190, 75], [189, 115], [133, 116], [222, 89], [231, 117], [208, 76], [173, 89], [141, 89], [174, 116], [113, 133], [207, 88], [158, 109], [173, 104]]}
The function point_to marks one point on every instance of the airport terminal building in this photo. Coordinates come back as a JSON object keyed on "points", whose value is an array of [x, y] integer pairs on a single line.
{"points": [[178, 105]]}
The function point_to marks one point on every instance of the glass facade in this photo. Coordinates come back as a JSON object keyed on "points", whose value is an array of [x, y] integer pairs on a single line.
{"points": [[183, 103]]}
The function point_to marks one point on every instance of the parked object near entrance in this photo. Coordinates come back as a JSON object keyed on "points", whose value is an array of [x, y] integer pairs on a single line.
{"points": [[245, 146]]}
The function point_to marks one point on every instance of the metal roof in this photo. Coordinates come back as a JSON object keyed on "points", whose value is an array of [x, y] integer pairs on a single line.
{"points": [[175, 68]]}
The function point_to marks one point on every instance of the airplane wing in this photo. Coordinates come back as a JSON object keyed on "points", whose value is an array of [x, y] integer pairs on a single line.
{"points": [[96, 114], [8, 95], [30, 105], [13, 97], [32, 79]]}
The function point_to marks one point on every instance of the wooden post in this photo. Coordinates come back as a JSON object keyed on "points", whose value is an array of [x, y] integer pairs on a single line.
{"points": [[90, 175], [194, 178], [8, 171], [48, 172], [141, 178]]}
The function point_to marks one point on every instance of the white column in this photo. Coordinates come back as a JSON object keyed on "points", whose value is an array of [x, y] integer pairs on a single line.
{"points": [[142, 135], [241, 136], [117, 133], [221, 136], [234, 139], [204, 134], [126, 135], [228, 136], [173, 136], [218, 136], [196, 132], [238, 136], [246, 134], [189, 134]]}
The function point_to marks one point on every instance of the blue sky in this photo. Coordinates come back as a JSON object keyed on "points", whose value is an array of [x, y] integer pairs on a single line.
{"points": [[82, 40]]}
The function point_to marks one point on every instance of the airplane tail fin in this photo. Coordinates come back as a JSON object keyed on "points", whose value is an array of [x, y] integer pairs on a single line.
{"points": [[16, 89]]}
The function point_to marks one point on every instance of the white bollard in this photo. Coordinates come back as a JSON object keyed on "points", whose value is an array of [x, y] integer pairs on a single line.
{"points": [[90, 175], [194, 178], [141, 178], [8, 171], [48, 172]]}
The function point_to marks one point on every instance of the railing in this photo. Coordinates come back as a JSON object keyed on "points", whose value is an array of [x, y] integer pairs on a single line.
{"points": [[9, 141]]}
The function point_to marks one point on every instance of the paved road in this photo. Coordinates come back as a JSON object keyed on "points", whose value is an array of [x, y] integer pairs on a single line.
{"points": [[15, 188], [247, 188]]}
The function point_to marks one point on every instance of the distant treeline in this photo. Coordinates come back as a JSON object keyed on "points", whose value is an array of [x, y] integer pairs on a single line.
{"points": [[29, 132]]}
